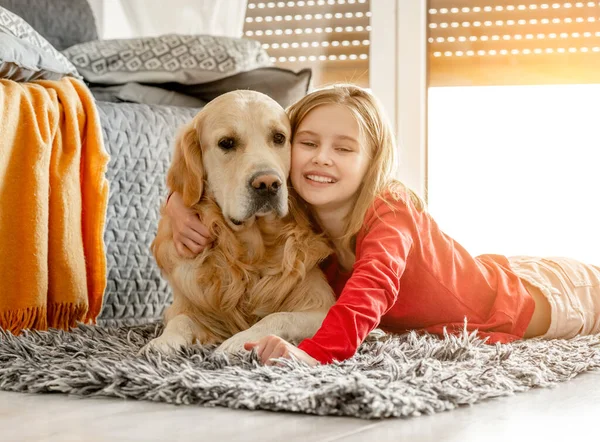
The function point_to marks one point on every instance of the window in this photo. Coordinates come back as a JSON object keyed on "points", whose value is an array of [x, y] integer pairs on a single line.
{"points": [[329, 36], [513, 144]]}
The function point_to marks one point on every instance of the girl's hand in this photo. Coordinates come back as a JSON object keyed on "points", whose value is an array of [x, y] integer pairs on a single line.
{"points": [[189, 234], [273, 347]]}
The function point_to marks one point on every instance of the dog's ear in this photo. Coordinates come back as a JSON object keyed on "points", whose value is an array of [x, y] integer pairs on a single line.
{"points": [[186, 174]]}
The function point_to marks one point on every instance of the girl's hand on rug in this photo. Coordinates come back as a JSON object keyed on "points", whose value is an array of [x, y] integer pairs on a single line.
{"points": [[189, 234], [272, 347]]}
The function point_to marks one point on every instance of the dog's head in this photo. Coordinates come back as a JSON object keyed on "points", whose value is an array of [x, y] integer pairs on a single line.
{"points": [[237, 149]]}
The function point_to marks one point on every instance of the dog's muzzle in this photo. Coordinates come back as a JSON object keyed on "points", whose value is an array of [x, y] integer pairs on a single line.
{"points": [[267, 191], [265, 184]]}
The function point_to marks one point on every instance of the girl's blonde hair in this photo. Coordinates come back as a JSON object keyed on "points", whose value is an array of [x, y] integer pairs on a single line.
{"points": [[378, 139]]}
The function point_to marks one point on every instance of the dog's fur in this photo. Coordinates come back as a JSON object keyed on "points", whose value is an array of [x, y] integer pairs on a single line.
{"points": [[261, 275]]}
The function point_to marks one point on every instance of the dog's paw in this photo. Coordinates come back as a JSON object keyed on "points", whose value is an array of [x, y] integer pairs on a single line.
{"points": [[231, 346], [166, 343], [235, 344]]}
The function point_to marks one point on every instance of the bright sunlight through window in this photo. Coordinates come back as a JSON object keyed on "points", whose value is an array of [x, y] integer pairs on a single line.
{"points": [[515, 170]]}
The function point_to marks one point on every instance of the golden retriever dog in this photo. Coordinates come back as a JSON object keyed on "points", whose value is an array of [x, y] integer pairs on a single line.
{"points": [[261, 275]]}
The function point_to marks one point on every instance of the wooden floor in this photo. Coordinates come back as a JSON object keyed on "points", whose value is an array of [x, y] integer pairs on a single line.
{"points": [[566, 413]]}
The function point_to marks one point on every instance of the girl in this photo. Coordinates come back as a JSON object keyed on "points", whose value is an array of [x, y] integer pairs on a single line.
{"points": [[393, 267]]}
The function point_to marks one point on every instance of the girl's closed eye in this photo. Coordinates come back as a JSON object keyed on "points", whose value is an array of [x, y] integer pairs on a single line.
{"points": [[308, 143]]}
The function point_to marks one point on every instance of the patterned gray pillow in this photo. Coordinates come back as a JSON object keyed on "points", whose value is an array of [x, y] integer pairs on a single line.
{"points": [[25, 55], [184, 59]]}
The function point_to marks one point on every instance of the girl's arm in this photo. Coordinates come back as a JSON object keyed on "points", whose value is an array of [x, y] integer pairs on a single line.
{"points": [[189, 234], [371, 290]]}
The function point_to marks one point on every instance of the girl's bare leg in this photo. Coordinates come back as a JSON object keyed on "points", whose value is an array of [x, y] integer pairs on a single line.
{"points": [[540, 321]]}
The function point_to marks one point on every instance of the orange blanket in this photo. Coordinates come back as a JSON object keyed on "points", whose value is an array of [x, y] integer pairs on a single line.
{"points": [[53, 198]]}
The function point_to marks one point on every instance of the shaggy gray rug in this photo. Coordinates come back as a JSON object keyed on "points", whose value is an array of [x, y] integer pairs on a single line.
{"points": [[391, 376]]}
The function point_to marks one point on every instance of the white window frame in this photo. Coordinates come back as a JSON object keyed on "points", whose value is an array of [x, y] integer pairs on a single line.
{"points": [[398, 77]]}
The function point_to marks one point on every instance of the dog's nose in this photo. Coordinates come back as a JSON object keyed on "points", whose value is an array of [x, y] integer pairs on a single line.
{"points": [[266, 184]]}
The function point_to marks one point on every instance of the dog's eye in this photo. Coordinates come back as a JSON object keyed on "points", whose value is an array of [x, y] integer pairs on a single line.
{"points": [[226, 143], [279, 138]]}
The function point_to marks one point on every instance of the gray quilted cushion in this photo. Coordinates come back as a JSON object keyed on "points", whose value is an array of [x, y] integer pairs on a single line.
{"points": [[63, 23], [144, 94], [139, 140], [282, 85]]}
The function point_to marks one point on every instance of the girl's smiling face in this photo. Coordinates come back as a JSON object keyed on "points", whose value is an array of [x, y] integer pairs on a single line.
{"points": [[329, 158]]}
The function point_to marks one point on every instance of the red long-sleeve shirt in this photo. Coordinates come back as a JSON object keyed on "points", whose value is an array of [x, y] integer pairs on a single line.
{"points": [[409, 275]]}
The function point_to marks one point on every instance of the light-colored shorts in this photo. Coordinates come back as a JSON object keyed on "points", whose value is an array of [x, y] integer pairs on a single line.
{"points": [[572, 289]]}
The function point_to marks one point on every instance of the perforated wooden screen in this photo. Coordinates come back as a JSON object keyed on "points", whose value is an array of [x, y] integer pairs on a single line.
{"points": [[330, 36], [486, 42]]}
